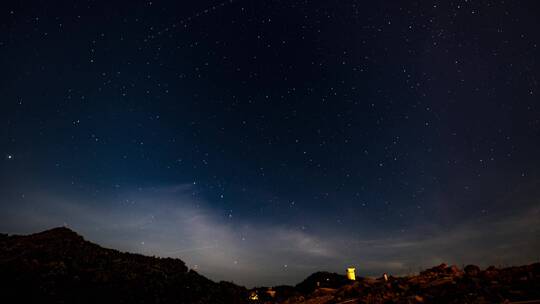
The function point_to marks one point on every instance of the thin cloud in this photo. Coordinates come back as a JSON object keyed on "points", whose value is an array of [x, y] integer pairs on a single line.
{"points": [[168, 221]]}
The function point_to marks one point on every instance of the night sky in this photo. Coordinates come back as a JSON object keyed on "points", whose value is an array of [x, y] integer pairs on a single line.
{"points": [[260, 141]]}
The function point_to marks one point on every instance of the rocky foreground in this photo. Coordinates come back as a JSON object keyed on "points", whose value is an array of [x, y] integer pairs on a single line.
{"points": [[441, 284], [59, 266]]}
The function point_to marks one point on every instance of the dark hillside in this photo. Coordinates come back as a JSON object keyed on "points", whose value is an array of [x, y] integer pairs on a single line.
{"points": [[59, 266]]}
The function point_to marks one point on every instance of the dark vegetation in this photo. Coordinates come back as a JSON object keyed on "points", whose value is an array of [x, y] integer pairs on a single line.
{"points": [[59, 266]]}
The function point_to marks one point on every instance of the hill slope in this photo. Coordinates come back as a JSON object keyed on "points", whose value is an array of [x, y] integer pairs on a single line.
{"points": [[59, 266]]}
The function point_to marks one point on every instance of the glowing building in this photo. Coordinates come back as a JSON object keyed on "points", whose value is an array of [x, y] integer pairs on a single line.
{"points": [[350, 273]]}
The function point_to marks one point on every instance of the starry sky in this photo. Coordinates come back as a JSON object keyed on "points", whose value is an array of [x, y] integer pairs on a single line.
{"points": [[260, 141]]}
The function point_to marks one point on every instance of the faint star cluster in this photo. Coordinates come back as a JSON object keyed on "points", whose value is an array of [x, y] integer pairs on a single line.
{"points": [[384, 120]]}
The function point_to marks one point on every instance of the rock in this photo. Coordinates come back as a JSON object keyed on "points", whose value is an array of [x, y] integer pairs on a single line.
{"points": [[441, 281], [472, 270], [490, 273], [454, 270], [434, 270]]}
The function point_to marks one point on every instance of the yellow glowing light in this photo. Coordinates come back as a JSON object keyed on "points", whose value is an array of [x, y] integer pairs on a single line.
{"points": [[350, 274], [254, 296]]}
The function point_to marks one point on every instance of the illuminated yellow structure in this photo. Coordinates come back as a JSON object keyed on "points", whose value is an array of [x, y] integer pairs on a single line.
{"points": [[253, 296], [350, 273]]}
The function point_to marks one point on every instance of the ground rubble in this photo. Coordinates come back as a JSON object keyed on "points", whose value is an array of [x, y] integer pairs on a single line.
{"points": [[440, 284]]}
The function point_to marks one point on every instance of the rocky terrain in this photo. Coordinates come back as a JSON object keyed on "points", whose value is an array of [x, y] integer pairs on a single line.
{"points": [[59, 266], [440, 284]]}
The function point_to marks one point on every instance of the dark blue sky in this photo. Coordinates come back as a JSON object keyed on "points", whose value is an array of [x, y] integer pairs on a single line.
{"points": [[262, 140]]}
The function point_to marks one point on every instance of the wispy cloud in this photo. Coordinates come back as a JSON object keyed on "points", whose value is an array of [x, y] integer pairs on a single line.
{"points": [[169, 221]]}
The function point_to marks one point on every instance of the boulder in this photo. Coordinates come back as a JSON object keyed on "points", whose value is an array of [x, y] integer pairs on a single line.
{"points": [[472, 270]]}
